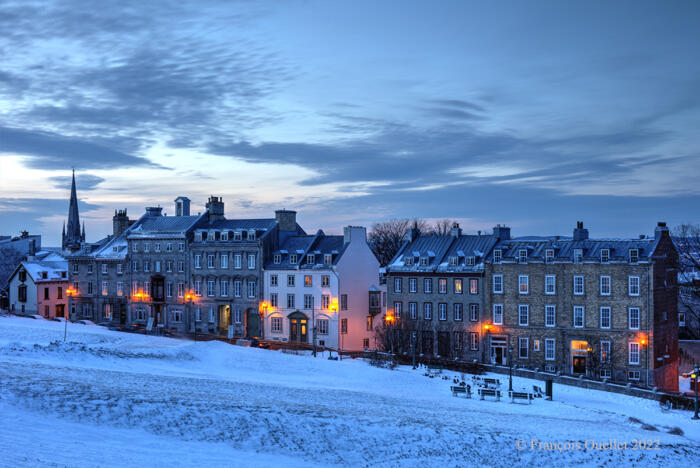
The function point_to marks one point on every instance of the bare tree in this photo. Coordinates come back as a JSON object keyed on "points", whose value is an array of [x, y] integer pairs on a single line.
{"points": [[386, 238], [687, 240], [442, 227], [9, 259]]}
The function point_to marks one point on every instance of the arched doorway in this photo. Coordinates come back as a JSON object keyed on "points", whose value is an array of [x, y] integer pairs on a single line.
{"points": [[298, 327], [252, 323]]}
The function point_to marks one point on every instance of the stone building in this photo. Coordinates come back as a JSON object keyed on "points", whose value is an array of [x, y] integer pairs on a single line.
{"points": [[435, 293], [605, 308]]}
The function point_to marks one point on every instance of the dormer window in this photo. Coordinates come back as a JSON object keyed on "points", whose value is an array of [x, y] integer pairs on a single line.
{"points": [[408, 261], [224, 236], [293, 259], [44, 275], [604, 255], [277, 259], [522, 255], [578, 255], [424, 261], [470, 261], [237, 235], [453, 260], [198, 236], [327, 259], [146, 247], [157, 249], [311, 259], [549, 255], [634, 255], [497, 256], [251, 234]]}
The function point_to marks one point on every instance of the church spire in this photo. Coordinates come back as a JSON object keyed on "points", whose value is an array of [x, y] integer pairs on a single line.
{"points": [[73, 236]]}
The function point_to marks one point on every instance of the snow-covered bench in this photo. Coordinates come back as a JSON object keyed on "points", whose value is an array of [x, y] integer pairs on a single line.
{"points": [[459, 390], [490, 392], [491, 383], [520, 396]]}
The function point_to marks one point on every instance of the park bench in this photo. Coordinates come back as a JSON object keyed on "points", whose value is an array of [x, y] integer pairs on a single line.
{"points": [[490, 392], [495, 383], [459, 390], [520, 396]]}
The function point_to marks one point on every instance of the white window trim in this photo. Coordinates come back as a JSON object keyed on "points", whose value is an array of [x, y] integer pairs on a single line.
{"points": [[609, 285], [554, 292], [583, 285], [639, 318], [629, 352], [629, 286], [609, 317], [553, 347], [583, 317], [527, 284], [494, 284], [555, 315], [527, 309], [499, 306]]}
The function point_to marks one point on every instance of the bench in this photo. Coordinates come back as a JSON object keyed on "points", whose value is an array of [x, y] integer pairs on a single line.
{"points": [[520, 396], [490, 392], [495, 383], [459, 390], [537, 391]]}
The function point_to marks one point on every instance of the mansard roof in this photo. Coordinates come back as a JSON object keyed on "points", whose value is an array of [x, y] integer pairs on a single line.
{"points": [[443, 254], [318, 244]]}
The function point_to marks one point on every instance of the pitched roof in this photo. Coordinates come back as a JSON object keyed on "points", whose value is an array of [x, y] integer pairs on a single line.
{"points": [[432, 253], [318, 244], [564, 248]]}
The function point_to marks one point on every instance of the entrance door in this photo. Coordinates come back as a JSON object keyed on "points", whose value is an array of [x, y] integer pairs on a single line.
{"points": [[444, 344], [252, 324], [298, 327], [579, 351], [498, 350], [60, 310], [579, 365], [224, 319]]}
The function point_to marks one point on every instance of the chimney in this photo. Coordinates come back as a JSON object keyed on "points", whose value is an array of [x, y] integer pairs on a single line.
{"points": [[154, 211], [580, 234], [182, 206], [215, 208], [354, 234], [25, 234], [412, 234], [661, 230], [31, 250], [286, 220], [501, 232], [456, 231], [120, 222]]}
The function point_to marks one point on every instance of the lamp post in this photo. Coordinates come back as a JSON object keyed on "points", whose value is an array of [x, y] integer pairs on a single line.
{"points": [[413, 347], [69, 292], [510, 367], [313, 330], [334, 309], [189, 297], [696, 376]]}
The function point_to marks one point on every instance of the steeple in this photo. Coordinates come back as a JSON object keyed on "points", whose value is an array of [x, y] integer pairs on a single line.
{"points": [[73, 237]]}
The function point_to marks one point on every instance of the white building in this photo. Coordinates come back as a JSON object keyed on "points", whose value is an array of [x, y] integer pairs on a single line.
{"points": [[38, 286], [326, 280]]}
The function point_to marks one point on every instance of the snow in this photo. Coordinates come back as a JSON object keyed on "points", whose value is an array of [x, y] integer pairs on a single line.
{"points": [[109, 398]]}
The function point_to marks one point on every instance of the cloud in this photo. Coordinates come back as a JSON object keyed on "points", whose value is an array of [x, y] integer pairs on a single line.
{"points": [[83, 181]]}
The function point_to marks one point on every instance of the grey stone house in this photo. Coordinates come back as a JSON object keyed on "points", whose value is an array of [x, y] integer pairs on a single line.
{"points": [[435, 293], [599, 307]]}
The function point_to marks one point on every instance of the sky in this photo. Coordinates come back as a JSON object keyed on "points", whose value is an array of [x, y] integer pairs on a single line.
{"points": [[533, 114]]}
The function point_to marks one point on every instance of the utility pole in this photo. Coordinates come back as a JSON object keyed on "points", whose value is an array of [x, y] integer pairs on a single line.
{"points": [[510, 367], [413, 347]]}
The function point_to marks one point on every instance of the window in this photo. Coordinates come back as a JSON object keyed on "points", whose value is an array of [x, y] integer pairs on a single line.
{"points": [[322, 326], [549, 255], [120, 288], [140, 313], [210, 261], [344, 326], [169, 247], [104, 268], [224, 235], [134, 266], [327, 259], [273, 299], [578, 285], [498, 314], [549, 349], [604, 255], [442, 286], [473, 286], [273, 280], [251, 288], [578, 316], [290, 301], [523, 284], [523, 315], [75, 271], [293, 259], [197, 261], [550, 314], [325, 301], [442, 311], [427, 310], [522, 256], [605, 317], [634, 255], [169, 267], [46, 293], [522, 347], [453, 260], [224, 287], [397, 309], [134, 248], [120, 268], [177, 316], [308, 282], [413, 310], [634, 285], [498, 284], [146, 266], [157, 266], [343, 302], [157, 248], [169, 289], [238, 316], [59, 292], [470, 260], [397, 285], [474, 312], [474, 341], [634, 318], [212, 316], [311, 259], [536, 345], [198, 287], [578, 255], [197, 314], [681, 319], [276, 324], [290, 280], [408, 261], [91, 288], [427, 285], [604, 351], [181, 247], [458, 286], [105, 288], [237, 235], [412, 285], [180, 289], [224, 260], [497, 256], [237, 261], [146, 247], [309, 301], [277, 259], [424, 261], [634, 353], [251, 261], [633, 375], [181, 267], [550, 284], [210, 288], [605, 285], [458, 312]]}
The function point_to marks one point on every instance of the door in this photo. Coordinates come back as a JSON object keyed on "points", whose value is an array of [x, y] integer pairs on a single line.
{"points": [[252, 324], [298, 327], [444, 344], [579, 365], [224, 319], [60, 310]]}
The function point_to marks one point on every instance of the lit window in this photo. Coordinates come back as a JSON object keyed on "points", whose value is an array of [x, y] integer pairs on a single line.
{"points": [[523, 284]]}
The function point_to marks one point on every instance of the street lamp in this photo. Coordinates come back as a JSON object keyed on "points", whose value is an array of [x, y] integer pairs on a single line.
{"points": [[69, 293], [189, 297], [413, 346], [334, 308], [510, 368], [696, 376]]}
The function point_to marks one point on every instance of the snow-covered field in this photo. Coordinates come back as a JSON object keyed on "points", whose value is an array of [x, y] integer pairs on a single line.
{"points": [[116, 399]]}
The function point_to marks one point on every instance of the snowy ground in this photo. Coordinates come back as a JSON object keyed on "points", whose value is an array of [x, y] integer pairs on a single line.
{"points": [[116, 399]]}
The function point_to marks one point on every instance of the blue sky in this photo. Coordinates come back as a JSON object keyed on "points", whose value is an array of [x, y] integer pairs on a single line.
{"points": [[534, 114]]}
